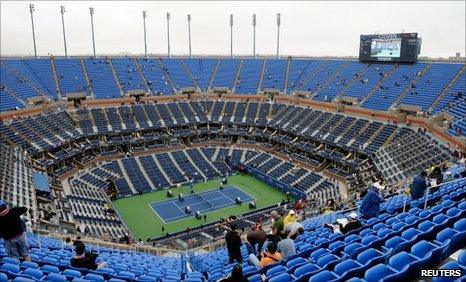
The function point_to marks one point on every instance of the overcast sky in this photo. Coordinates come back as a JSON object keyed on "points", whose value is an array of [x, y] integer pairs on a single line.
{"points": [[308, 28]]}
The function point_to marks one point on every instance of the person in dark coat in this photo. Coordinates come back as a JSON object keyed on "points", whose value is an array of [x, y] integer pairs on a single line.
{"points": [[370, 206], [419, 186], [233, 241]]}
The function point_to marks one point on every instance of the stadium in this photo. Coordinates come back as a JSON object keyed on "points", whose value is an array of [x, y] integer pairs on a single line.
{"points": [[153, 161]]}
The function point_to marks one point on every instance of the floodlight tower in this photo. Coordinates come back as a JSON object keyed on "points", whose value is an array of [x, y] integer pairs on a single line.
{"points": [[31, 9], [254, 35], [189, 35], [62, 11], [278, 34], [144, 15], [231, 36], [91, 12], [168, 33]]}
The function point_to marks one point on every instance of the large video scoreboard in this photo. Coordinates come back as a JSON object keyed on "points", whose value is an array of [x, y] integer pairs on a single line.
{"points": [[396, 47]]}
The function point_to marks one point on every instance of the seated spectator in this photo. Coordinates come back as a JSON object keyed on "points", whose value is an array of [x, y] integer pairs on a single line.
{"points": [[85, 259], [286, 245], [269, 257], [291, 217], [237, 275], [68, 242], [370, 206], [344, 226], [294, 229]]}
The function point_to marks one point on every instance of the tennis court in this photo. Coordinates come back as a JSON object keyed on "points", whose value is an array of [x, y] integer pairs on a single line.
{"points": [[174, 209]]}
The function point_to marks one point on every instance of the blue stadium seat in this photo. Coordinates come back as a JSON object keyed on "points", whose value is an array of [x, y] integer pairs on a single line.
{"points": [[379, 272], [324, 276], [56, 277], [282, 277]]}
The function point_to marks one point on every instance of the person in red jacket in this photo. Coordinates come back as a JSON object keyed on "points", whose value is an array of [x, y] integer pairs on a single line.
{"points": [[12, 231]]}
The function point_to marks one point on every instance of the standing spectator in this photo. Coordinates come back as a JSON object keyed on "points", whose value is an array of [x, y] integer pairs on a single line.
{"points": [[256, 237], [370, 206], [286, 245], [268, 257], [233, 241], [419, 186], [277, 227], [291, 217], [12, 231]]}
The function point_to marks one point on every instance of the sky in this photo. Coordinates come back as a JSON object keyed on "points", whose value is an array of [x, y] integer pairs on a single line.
{"points": [[314, 28]]}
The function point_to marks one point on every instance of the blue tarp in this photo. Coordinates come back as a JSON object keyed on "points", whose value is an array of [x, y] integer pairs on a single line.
{"points": [[41, 182]]}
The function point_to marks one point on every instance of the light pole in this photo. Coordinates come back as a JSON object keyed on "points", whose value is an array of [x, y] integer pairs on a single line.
{"points": [[168, 33], [91, 12], [189, 35], [62, 11], [144, 15], [278, 34], [31, 9], [231, 36], [254, 35]]}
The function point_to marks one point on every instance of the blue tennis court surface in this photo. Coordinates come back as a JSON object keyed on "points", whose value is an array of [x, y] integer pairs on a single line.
{"points": [[172, 210]]}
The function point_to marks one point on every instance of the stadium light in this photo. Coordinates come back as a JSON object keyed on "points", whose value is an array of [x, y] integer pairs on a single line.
{"points": [[278, 33], [144, 15], [31, 9], [254, 21], [62, 11], [231, 36], [168, 33], [91, 12], [189, 35]]}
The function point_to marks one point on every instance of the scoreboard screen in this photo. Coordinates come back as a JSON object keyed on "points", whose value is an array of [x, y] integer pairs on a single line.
{"points": [[397, 47]]}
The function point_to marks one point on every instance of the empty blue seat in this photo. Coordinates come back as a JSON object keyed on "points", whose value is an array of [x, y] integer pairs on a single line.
{"points": [[28, 264], [324, 276], [94, 277], [427, 254], [12, 270], [56, 277], [282, 277], [32, 273], [274, 270], [450, 240], [3, 277], [306, 270], [378, 273], [50, 269]]}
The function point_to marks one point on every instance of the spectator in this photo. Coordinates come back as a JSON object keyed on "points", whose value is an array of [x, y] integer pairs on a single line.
{"points": [[233, 241], [291, 217], [345, 226], [85, 259], [370, 206], [286, 245], [436, 175], [12, 231], [268, 257], [294, 229], [68, 242], [77, 241], [277, 227], [256, 237], [418, 186], [237, 275], [331, 206]]}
